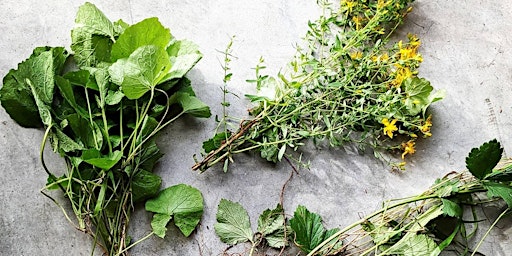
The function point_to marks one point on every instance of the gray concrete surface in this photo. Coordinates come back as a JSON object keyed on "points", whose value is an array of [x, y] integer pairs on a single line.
{"points": [[466, 49]]}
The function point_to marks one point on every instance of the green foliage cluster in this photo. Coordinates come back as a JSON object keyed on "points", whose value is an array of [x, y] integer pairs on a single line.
{"points": [[426, 224], [101, 109], [347, 84]]}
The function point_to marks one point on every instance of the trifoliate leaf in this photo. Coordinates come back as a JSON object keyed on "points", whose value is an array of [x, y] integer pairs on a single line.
{"points": [[451, 208], [147, 32], [501, 190], [145, 185], [142, 71], [233, 225], [482, 160], [104, 162], [183, 202], [308, 228]]}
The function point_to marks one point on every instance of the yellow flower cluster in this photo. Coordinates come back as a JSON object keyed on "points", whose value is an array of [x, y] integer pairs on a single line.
{"points": [[408, 148], [425, 128], [408, 58]]}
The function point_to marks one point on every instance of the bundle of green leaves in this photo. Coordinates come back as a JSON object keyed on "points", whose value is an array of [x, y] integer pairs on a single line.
{"points": [[440, 219], [102, 108], [348, 84]]}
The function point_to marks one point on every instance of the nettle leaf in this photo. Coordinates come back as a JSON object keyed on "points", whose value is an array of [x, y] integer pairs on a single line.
{"points": [[500, 190], [147, 32], [308, 228], [419, 97], [92, 36], [184, 55], [104, 162], [16, 94], [192, 105], [482, 160], [142, 71], [233, 225], [183, 202], [451, 208], [145, 185]]}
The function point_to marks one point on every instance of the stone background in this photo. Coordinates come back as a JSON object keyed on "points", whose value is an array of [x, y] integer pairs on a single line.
{"points": [[466, 50]]}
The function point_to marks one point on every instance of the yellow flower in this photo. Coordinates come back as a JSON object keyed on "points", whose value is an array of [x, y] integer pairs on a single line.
{"points": [[425, 128], [401, 75], [381, 4], [389, 127], [349, 5], [356, 55], [383, 58], [408, 148], [357, 20], [409, 51]]}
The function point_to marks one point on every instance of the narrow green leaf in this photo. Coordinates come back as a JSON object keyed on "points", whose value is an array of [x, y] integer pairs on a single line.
{"points": [[233, 225], [482, 160]]}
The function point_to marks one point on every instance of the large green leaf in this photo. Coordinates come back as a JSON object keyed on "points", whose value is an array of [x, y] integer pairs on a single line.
{"points": [[88, 133], [147, 32], [233, 225], [183, 202], [34, 75], [145, 185], [142, 71], [308, 228], [482, 160], [92, 36]]}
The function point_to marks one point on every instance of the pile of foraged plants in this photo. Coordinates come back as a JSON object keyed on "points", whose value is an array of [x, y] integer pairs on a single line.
{"points": [[443, 218], [101, 109], [348, 84]]}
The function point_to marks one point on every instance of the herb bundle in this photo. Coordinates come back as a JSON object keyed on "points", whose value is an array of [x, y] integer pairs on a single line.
{"points": [[443, 218], [348, 84], [101, 109]]}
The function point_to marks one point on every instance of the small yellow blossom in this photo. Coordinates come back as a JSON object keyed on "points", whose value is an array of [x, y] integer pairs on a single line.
{"points": [[356, 55], [408, 148], [349, 5], [401, 75], [382, 58], [357, 20], [425, 128], [381, 4], [389, 127]]}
